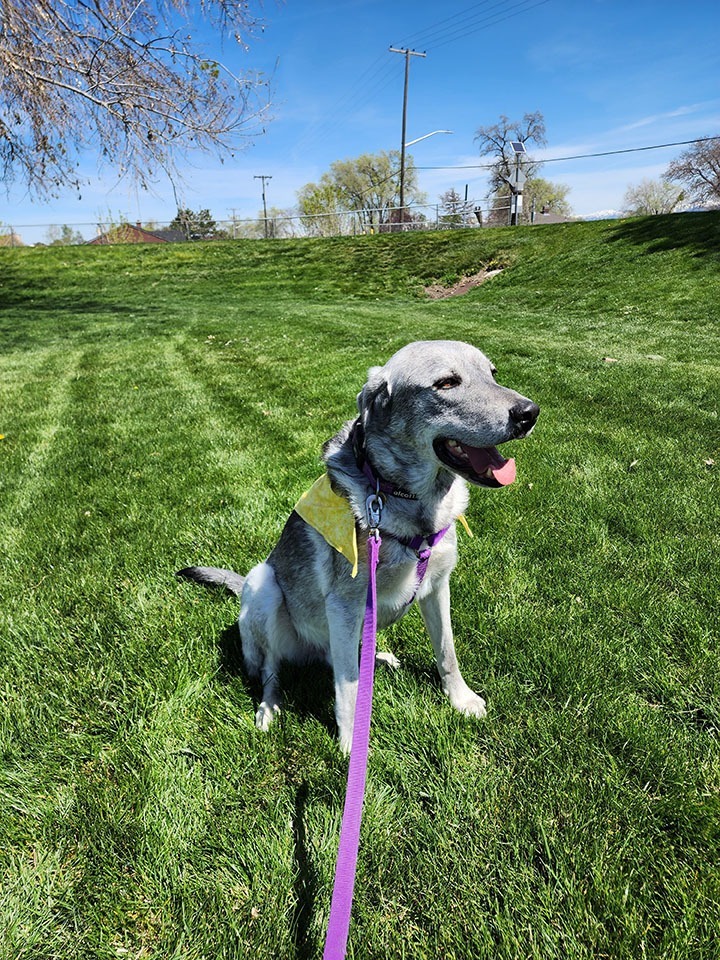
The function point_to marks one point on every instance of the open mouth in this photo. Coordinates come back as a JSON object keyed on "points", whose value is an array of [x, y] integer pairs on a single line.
{"points": [[483, 466]]}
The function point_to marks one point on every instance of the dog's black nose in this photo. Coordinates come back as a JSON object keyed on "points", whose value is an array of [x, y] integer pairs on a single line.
{"points": [[524, 414]]}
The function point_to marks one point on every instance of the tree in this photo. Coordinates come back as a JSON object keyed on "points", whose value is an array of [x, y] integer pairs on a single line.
{"points": [[8, 237], [546, 197], [63, 236], [368, 186], [280, 223], [495, 141], [652, 197], [122, 77], [195, 225], [539, 194], [322, 209], [699, 168], [455, 210]]}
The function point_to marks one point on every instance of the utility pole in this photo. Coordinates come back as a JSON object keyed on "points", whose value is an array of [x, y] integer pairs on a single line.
{"points": [[264, 177], [234, 220], [407, 53]]}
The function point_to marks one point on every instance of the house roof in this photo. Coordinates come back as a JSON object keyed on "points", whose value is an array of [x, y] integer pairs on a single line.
{"points": [[135, 233]]}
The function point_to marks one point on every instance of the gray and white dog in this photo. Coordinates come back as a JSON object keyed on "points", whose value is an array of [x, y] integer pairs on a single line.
{"points": [[429, 420]]}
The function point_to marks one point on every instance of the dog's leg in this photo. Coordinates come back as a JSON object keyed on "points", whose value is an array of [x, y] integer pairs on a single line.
{"points": [[271, 698], [345, 626], [435, 609], [267, 636]]}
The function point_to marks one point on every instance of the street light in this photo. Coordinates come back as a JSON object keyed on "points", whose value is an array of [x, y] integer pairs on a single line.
{"points": [[418, 139], [402, 170]]}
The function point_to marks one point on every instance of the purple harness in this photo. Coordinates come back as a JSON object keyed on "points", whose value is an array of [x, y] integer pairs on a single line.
{"points": [[414, 543], [342, 896]]}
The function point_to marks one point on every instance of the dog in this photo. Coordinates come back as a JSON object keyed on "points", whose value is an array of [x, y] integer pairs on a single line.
{"points": [[429, 422]]}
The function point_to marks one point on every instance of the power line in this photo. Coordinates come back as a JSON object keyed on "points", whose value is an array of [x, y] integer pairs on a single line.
{"points": [[432, 38], [423, 36], [375, 78], [582, 156], [378, 75], [519, 8]]}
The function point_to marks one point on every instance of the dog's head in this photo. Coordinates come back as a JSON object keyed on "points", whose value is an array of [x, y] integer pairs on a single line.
{"points": [[439, 401]]}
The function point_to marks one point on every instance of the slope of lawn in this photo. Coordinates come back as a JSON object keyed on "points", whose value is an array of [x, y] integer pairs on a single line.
{"points": [[161, 406]]}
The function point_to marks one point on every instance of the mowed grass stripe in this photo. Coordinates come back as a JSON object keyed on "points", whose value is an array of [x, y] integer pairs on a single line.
{"points": [[140, 812], [35, 406]]}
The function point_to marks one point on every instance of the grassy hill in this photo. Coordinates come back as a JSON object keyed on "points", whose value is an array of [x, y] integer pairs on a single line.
{"points": [[161, 406]]}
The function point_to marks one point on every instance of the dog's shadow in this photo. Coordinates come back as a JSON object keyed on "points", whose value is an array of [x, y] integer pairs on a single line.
{"points": [[307, 690], [307, 694]]}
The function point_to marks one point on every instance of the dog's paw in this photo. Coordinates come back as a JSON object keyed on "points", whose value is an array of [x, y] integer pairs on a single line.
{"points": [[387, 659], [265, 715], [469, 703]]}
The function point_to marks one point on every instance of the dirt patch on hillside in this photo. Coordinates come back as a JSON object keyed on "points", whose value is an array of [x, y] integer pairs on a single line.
{"points": [[437, 291]]}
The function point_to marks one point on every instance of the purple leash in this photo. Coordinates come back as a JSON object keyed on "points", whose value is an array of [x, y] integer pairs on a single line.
{"points": [[342, 897], [339, 923]]}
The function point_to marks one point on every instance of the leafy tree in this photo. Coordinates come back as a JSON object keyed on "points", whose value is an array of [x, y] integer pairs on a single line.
{"points": [[546, 197], [699, 168], [195, 225], [321, 207], [368, 186], [652, 197], [8, 237], [63, 236], [123, 77]]}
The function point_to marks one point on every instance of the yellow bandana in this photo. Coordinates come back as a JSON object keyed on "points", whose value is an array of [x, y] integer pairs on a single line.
{"points": [[333, 519]]}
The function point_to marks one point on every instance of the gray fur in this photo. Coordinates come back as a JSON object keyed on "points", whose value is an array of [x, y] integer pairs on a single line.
{"points": [[214, 577], [302, 604]]}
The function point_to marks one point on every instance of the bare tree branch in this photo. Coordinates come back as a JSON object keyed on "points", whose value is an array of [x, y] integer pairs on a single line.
{"points": [[495, 141], [699, 168], [123, 77]]}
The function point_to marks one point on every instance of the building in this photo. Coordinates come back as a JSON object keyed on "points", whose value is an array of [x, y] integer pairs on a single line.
{"points": [[135, 233]]}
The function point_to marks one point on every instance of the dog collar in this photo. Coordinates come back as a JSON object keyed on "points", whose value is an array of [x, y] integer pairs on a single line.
{"points": [[376, 481]]}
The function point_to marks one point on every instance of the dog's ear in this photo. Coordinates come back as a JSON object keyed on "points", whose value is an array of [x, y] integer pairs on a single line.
{"points": [[374, 399]]}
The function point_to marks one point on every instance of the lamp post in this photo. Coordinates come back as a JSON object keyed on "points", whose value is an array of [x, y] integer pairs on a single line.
{"points": [[425, 136], [402, 166]]}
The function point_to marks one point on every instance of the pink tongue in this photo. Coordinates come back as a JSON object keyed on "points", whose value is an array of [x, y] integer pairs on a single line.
{"points": [[483, 457]]}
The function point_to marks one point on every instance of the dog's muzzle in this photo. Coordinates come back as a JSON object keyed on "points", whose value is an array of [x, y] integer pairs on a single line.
{"points": [[486, 466]]}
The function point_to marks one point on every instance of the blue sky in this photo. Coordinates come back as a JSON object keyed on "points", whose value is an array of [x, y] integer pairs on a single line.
{"points": [[607, 75]]}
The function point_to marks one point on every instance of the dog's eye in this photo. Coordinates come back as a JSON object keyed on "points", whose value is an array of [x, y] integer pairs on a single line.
{"points": [[493, 371], [447, 383]]}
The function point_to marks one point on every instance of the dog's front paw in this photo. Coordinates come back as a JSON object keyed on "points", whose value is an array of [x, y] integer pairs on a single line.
{"points": [[345, 741], [265, 715], [469, 703], [387, 659]]}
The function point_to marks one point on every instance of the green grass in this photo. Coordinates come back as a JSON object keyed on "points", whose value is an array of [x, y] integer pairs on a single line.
{"points": [[166, 405]]}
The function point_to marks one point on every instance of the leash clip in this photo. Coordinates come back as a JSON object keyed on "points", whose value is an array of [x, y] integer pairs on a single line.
{"points": [[373, 508]]}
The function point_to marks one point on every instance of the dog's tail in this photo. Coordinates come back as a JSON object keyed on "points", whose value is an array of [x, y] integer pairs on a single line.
{"points": [[214, 577]]}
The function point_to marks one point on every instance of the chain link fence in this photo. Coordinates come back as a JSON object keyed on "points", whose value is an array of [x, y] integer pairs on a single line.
{"points": [[281, 226]]}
